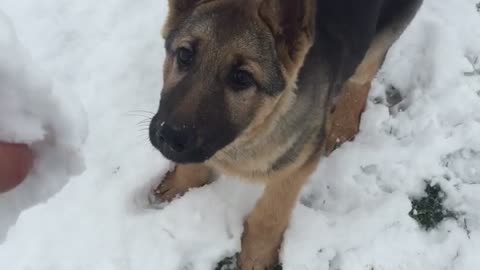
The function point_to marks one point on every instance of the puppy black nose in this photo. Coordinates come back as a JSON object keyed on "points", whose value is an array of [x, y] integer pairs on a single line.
{"points": [[179, 139]]}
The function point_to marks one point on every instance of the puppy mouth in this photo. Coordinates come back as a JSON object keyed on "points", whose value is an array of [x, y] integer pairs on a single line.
{"points": [[187, 143], [196, 155]]}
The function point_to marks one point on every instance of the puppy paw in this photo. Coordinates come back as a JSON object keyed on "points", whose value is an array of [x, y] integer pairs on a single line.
{"points": [[259, 250], [179, 181]]}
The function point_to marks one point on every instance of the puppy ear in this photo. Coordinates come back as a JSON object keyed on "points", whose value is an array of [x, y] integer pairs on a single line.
{"points": [[292, 23], [177, 13]]}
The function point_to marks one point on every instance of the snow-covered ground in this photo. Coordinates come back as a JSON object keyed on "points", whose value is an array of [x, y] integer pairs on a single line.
{"points": [[48, 118], [354, 214]]}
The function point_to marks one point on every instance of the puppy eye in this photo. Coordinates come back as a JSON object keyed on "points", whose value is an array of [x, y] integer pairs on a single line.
{"points": [[184, 57], [241, 80]]}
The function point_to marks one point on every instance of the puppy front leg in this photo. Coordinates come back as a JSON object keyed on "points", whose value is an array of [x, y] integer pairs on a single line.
{"points": [[344, 121], [181, 179], [264, 227]]}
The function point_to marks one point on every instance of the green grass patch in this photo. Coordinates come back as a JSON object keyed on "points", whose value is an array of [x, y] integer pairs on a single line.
{"points": [[429, 211]]}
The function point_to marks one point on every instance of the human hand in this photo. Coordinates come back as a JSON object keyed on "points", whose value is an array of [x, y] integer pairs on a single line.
{"points": [[16, 161]]}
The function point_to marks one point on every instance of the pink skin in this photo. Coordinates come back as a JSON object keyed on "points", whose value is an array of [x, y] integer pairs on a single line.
{"points": [[16, 161]]}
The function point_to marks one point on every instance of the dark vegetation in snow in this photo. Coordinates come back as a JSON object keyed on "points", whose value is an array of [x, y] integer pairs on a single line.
{"points": [[429, 211], [230, 263]]}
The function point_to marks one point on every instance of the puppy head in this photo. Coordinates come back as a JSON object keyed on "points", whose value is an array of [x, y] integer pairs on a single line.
{"points": [[228, 64]]}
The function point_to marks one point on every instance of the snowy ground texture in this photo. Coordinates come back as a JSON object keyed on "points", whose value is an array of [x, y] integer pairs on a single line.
{"points": [[35, 113], [354, 214]]}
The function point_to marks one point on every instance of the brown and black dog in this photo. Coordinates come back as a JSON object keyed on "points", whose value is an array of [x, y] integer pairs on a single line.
{"points": [[262, 89]]}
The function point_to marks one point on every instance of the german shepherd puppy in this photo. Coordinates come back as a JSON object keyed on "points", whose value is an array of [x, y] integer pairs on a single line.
{"points": [[262, 89]]}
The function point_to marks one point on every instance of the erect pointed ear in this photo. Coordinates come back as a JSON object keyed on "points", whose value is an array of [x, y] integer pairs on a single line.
{"points": [[292, 23], [178, 12]]}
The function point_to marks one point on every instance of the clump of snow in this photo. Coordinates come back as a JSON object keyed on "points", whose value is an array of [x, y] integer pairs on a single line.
{"points": [[354, 214], [31, 112]]}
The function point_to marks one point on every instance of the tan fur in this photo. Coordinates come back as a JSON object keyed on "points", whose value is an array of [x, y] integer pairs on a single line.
{"points": [[291, 49], [266, 139], [256, 148], [343, 123], [182, 179], [265, 226], [178, 11], [170, 77]]}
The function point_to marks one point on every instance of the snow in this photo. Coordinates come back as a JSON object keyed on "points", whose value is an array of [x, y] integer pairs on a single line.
{"points": [[34, 112], [354, 212]]}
